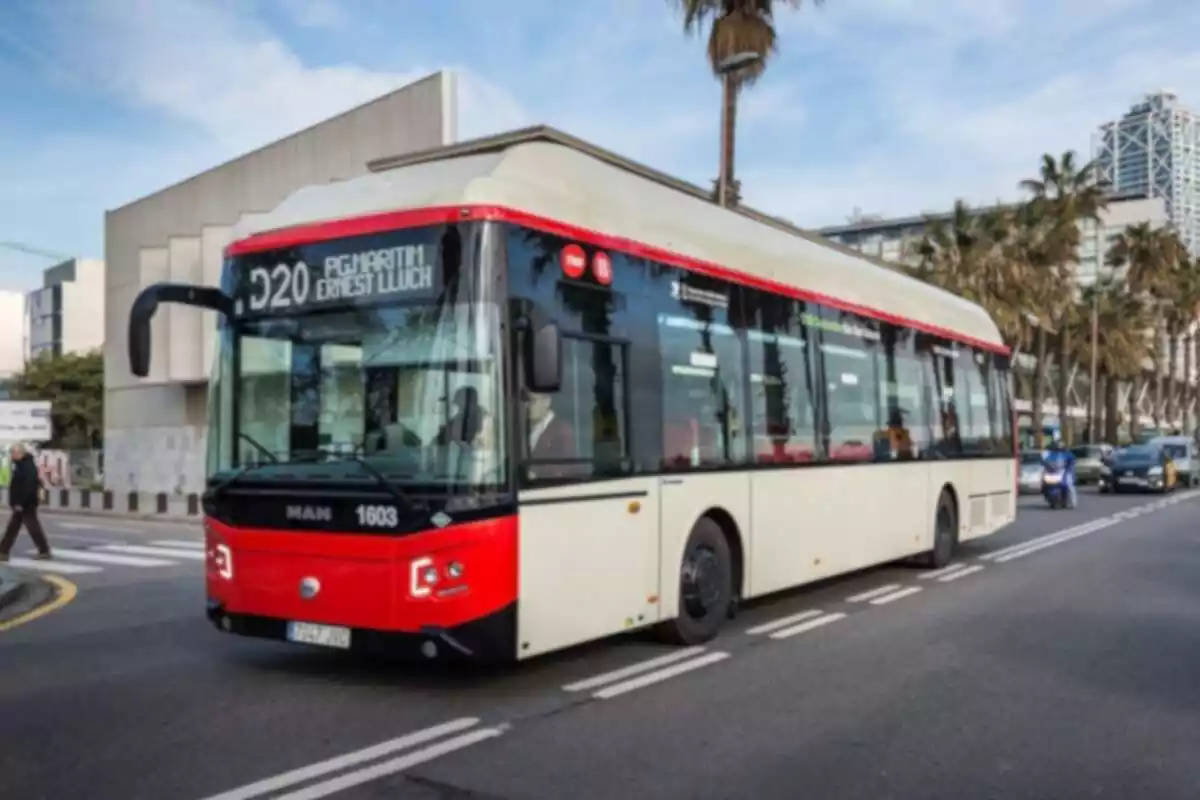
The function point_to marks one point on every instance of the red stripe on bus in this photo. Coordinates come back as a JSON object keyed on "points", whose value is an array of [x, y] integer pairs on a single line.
{"points": [[398, 220]]}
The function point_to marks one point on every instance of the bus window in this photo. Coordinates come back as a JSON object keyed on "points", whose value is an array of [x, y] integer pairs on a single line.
{"points": [[784, 424], [976, 367], [703, 414], [1002, 423], [580, 432], [853, 419], [902, 397]]}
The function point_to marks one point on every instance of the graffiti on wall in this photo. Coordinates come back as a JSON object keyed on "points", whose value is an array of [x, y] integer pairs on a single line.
{"points": [[54, 468]]}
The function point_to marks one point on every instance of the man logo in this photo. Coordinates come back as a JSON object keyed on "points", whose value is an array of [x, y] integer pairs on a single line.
{"points": [[309, 587], [310, 513]]}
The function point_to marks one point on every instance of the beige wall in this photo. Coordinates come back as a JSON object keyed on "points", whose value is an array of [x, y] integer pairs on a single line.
{"points": [[155, 427]]}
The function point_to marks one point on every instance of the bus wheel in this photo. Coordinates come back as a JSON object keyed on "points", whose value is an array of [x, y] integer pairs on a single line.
{"points": [[945, 535], [705, 587]]}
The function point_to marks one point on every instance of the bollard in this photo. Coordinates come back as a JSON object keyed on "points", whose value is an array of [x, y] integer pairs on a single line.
{"points": [[85, 498], [160, 501], [133, 502]]}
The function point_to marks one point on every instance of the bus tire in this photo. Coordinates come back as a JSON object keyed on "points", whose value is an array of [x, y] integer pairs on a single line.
{"points": [[945, 535], [705, 587]]}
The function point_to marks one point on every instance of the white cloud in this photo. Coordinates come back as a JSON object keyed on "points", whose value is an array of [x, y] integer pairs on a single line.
{"points": [[317, 13]]}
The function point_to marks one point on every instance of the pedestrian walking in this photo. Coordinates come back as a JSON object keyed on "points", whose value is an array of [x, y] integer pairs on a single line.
{"points": [[24, 493]]}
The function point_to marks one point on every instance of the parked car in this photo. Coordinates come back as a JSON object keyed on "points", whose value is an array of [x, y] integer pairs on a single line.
{"points": [[1140, 467], [1089, 460], [1030, 481], [1182, 451]]}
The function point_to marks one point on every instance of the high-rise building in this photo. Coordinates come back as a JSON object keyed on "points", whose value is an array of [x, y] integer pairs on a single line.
{"points": [[66, 315], [1154, 149]]}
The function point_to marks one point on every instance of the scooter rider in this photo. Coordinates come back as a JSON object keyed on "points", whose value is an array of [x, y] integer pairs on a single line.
{"points": [[1062, 458]]}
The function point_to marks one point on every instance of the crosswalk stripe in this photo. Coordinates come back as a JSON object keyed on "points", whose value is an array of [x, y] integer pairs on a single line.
{"points": [[162, 552], [109, 558], [185, 544], [51, 566]]}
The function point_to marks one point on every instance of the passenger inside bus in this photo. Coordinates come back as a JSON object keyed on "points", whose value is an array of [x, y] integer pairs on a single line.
{"points": [[465, 425]]}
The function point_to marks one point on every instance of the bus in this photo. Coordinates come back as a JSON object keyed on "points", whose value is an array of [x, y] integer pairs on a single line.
{"points": [[511, 395]]}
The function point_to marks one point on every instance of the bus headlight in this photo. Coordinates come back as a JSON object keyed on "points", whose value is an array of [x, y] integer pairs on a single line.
{"points": [[455, 570], [422, 576]]}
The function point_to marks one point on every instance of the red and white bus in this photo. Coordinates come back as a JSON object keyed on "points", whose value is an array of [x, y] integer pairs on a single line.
{"points": [[519, 393]]}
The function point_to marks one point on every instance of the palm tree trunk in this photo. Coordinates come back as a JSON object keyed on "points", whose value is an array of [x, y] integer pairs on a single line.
{"points": [[1135, 388], [1160, 361], [1039, 387], [725, 189], [1112, 416], [1186, 394], [1172, 368], [1065, 423]]}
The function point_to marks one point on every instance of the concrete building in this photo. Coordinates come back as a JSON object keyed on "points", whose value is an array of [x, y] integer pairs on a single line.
{"points": [[155, 428], [12, 334], [66, 315], [1154, 150]]}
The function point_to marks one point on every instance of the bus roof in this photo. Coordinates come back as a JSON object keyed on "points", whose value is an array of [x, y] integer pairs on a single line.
{"points": [[542, 173]]}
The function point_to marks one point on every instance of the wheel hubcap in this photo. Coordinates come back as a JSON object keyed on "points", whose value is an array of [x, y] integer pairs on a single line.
{"points": [[701, 579]]}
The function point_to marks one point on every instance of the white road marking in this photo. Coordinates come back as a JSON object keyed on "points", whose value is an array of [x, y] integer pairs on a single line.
{"points": [[1044, 545], [141, 550], [51, 566], [377, 771], [345, 761], [783, 622], [658, 676], [859, 598], [997, 554], [109, 558], [962, 573], [937, 573], [190, 544], [632, 669], [804, 627], [894, 596], [88, 526]]}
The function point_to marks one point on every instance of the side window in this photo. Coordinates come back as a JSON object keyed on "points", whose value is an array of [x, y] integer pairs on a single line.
{"points": [[976, 367], [783, 411], [849, 347], [903, 397], [704, 419], [581, 431], [1002, 424], [970, 402], [950, 410]]}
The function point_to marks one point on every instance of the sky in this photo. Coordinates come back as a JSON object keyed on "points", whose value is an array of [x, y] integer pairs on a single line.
{"points": [[892, 107]]}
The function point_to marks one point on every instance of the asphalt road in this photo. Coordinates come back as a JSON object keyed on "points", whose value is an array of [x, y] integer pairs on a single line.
{"points": [[1064, 667]]}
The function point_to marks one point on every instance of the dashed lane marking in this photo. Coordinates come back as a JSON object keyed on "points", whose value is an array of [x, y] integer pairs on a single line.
{"points": [[894, 596], [871, 595]]}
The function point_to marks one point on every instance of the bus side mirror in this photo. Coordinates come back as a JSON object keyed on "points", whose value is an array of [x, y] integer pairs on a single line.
{"points": [[544, 358], [147, 303]]}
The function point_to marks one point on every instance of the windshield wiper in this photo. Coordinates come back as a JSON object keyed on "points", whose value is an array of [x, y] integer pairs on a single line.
{"points": [[392, 488], [259, 446], [217, 490]]}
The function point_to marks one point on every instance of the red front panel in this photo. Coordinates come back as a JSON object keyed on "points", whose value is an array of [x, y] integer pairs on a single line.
{"points": [[440, 578]]}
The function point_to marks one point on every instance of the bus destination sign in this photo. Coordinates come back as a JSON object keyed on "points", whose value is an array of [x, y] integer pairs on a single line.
{"points": [[366, 276]]}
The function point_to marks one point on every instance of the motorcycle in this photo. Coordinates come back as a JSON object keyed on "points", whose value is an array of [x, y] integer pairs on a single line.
{"points": [[1056, 483]]}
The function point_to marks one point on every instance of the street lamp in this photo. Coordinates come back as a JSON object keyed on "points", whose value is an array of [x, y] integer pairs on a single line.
{"points": [[727, 68]]}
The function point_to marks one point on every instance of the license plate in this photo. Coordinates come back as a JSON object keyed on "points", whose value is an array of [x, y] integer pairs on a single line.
{"points": [[320, 635], [1131, 480]]}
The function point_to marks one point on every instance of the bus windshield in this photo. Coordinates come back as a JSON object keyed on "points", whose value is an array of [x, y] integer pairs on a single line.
{"points": [[377, 365]]}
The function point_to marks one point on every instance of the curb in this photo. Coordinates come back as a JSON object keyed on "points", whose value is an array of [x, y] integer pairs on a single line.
{"points": [[49, 512], [13, 588]]}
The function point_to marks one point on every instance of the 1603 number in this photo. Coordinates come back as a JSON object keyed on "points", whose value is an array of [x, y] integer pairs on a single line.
{"points": [[377, 516]]}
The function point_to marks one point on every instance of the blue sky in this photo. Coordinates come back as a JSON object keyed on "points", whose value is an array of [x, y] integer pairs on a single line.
{"points": [[891, 106]]}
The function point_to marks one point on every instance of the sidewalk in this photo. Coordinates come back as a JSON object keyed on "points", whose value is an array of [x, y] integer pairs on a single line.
{"points": [[130, 505]]}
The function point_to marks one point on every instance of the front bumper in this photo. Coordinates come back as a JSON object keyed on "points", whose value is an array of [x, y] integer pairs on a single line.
{"points": [[490, 639]]}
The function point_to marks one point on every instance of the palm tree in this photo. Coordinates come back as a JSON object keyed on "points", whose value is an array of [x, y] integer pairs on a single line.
{"points": [[1063, 196], [738, 26], [1181, 316]]}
